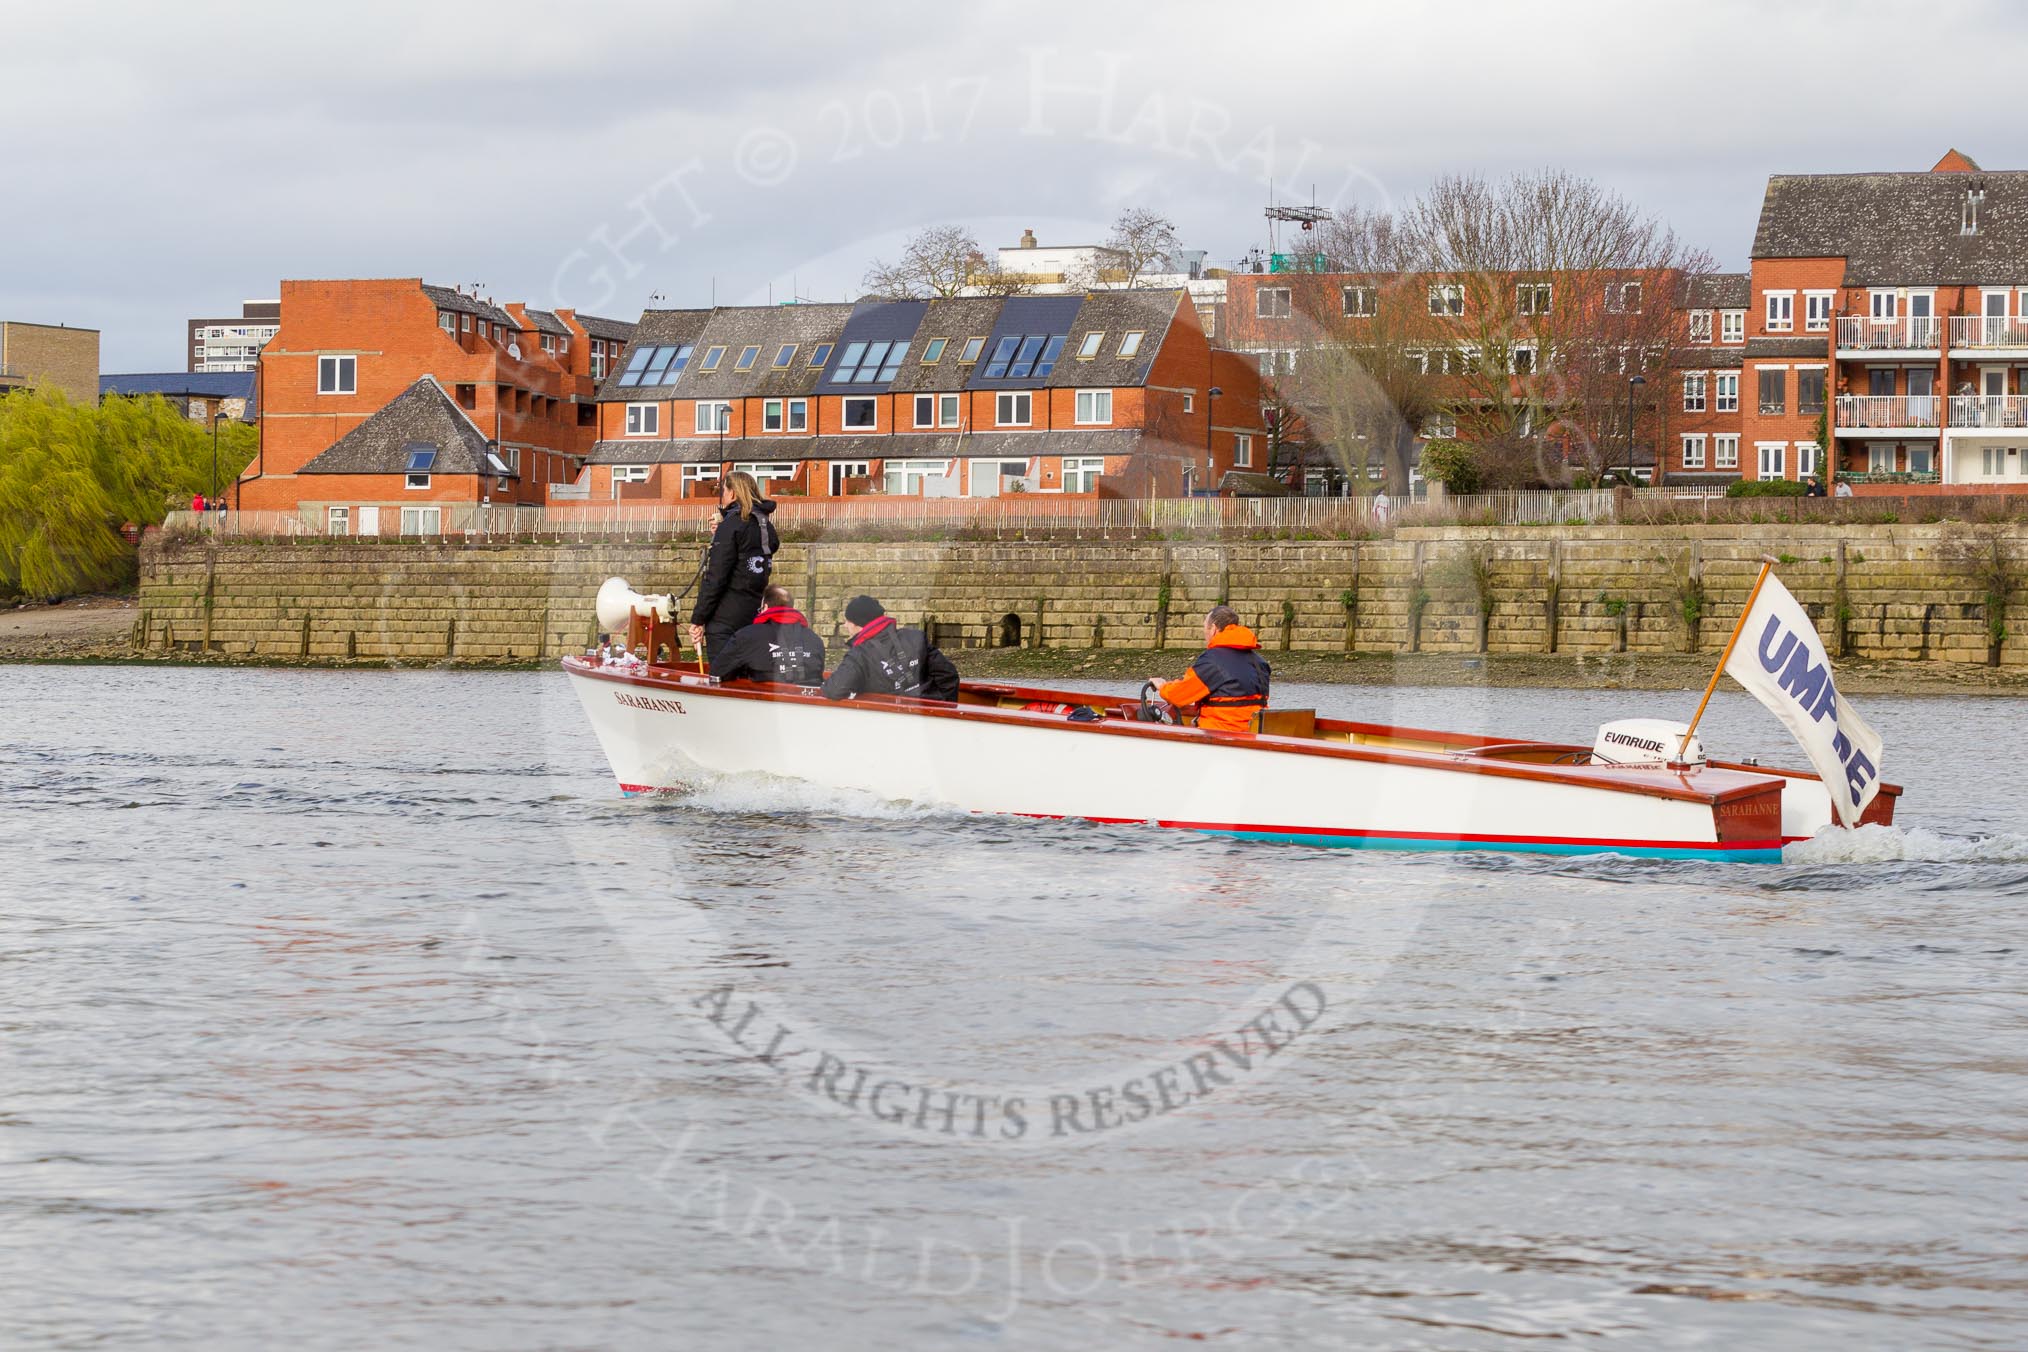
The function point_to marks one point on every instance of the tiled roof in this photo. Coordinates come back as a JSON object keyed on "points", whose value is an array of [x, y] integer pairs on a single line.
{"points": [[1716, 291], [901, 446], [1114, 314], [955, 320], [656, 326], [767, 327], [875, 321], [1026, 316], [1788, 347], [1706, 358], [542, 321], [187, 384], [421, 416], [457, 302], [613, 330], [1900, 229]]}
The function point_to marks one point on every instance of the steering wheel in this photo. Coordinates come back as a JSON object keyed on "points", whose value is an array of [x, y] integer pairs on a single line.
{"points": [[1151, 710]]}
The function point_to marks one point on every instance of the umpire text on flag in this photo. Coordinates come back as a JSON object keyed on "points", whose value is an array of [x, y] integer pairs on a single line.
{"points": [[1781, 660]]}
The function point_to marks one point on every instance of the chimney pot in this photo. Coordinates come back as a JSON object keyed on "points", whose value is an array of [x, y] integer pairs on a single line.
{"points": [[1028, 238]]}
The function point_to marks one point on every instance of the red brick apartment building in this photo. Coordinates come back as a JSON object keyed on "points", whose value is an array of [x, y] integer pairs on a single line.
{"points": [[384, 402], [1111, 393], [1881, 336]]}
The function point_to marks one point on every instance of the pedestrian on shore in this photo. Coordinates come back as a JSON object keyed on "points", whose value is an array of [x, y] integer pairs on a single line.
{"points": [[778, 646], [742, 558], [197, 502], [888, 659], [1843, 490], [1815, 488], [1381, 507], [1228, 683]]}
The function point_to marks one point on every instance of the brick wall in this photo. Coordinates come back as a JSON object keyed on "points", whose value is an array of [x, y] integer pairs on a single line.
{"points": [[54, 358], [1590, 590]]}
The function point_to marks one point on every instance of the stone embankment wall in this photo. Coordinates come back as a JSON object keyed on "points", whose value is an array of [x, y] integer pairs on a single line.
{"points": [[1909, 592]]}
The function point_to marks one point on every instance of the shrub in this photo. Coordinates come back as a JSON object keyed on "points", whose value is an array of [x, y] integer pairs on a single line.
{"points": [[1453, 464], [1764, 488]]}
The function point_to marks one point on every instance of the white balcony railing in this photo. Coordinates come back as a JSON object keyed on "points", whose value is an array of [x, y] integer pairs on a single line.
{"points": [[1917, 333], [1887, 410], [1988, 331], [1989, 410]]}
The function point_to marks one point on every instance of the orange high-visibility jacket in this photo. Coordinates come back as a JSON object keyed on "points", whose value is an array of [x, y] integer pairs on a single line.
{"points": [[1228, 682]]}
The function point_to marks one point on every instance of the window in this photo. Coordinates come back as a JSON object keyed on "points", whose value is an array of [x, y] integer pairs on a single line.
{"points": [[446, 321], [1992, 460], [422, 520], [771, 415], [1623, 298], [1532, 298], [698, 474], [1522, 358], [1781, 311], [1725, 450], [1089, 348], [1440, 427], [1774, 386], [841, 470], [1013, 410], [820, 354], [973, 346], [1693, 452], [712, 357], [1242, 450], [934, 353], [1693, 392], [1816, 311], [338, 521], [644, 420], [1446, 298], [465, 323], [1773, 459], [947, 410], [713, 416], [415, 480], [485, 329], [1081, 473], [1094, 406], [1003, 353], [910, 478], [864, 362], [1727, 383], [1360, 302], [799, 415], [861, 414], [548, 343], [1807, 453], [1273, 302], [785, 355], [766, 469], [1130, 343], [1732, 326], [925, 410], [1809, 389], [1189, 401], [337, 375], [628, 474], [1921, 460], [747, 356], [1700, 326], [598, 359]]}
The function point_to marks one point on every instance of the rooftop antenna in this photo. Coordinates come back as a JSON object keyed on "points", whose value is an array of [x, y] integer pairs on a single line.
{"points": [[1308, 218]]}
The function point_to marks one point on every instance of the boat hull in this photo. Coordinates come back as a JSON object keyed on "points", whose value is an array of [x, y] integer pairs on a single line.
{"points": [[658, 729]]}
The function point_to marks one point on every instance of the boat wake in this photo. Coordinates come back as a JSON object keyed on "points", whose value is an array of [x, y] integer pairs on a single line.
{"points": [[744, 794], [1890, 844]]}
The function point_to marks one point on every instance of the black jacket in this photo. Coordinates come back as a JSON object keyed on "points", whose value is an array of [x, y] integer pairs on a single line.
{"points": [[885, 659], [736, 573], [778, 646]]}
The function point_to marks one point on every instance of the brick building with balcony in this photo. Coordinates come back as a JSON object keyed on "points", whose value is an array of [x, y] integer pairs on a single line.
{"points": [[345, 351], [1113, 393]]}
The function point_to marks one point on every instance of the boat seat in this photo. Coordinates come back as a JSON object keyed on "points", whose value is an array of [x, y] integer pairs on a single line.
{"points": [[1288, 722]]}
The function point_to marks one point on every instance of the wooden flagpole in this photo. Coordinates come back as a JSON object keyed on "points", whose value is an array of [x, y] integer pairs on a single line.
{"points": [[1767, 562]]}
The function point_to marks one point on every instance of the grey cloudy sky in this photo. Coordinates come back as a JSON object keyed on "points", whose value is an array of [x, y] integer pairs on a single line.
{"points": [[169, 161]]}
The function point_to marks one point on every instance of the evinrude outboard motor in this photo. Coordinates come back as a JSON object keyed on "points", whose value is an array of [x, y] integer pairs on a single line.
{"points": [[1645, 741]]}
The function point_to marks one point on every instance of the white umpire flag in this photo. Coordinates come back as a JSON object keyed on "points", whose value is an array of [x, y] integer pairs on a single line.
{"points": [[1781, 660]]}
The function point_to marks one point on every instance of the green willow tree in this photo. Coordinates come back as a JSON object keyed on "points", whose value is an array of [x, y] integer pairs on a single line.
{"points": [[71, 475]]}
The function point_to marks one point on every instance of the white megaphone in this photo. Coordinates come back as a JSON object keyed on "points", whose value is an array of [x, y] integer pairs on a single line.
{"points": [[617, 602]]}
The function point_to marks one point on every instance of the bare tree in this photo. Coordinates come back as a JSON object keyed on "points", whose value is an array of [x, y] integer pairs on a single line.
{"points": [[1142, 244], [937, 262]]}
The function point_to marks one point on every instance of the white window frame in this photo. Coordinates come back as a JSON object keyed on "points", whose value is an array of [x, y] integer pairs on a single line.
{"points": [[418, 480], [796, 416], [1086, 469], [1725, 450], [644, 420], [949, 410], [338, 374], [626, 474], [1189, 401], [926, 410], [841, 470], [698, 474], [1534, 298], [1696, 391], [1009, 402], [1779, 311], [1771, 460], [1725, 392], [772, 415], [917, 470], [845, 409], [1094, 408], [433, 516], [1693, 450], [337, 520], [1242, 450], [1809, 459], [706, 422], [1700, 326], [1447, 299], [1368, 298], [1273, 302], [1817, 311], [1731, 327], [766, 471]]}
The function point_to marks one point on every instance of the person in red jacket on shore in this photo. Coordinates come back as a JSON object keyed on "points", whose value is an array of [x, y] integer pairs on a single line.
{"points": [[1229, 680]]}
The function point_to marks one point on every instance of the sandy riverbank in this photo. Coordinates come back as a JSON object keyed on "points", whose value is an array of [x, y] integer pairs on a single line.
{"points": [[100, 629]]}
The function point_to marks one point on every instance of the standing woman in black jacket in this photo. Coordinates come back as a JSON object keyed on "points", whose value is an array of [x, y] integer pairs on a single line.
{"points": [[742, 557]]}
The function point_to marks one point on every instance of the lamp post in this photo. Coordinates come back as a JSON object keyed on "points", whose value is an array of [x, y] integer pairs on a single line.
{"points": [[1634, 383], [216, 419], [1211, 394]]}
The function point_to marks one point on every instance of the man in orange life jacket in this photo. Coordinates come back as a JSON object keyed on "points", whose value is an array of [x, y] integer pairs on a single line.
{"points": [[1228, 682]]}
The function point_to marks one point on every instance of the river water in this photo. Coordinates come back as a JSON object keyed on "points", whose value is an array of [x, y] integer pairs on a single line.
{"points": [[356, 1009]]}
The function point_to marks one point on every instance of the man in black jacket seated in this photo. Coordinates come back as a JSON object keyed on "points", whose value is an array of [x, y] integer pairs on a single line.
{"points": [[886, 659], [778, 646]]}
